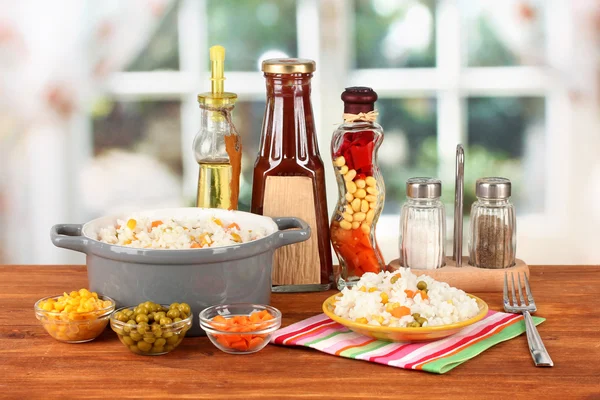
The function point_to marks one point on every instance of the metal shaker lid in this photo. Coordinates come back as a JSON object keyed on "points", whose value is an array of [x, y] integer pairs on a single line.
{"points": [[423, 188], [493, 188]]}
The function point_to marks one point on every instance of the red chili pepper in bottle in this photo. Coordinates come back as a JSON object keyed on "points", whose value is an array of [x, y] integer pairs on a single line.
{"points": [[354, 149]]}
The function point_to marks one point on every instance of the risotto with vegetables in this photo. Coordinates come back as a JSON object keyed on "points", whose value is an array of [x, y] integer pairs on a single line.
{"points": [[401, 299], [168, 233]]}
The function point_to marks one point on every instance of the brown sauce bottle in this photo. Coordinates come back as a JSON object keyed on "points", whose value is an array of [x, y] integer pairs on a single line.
{"points": [[289, 178]]}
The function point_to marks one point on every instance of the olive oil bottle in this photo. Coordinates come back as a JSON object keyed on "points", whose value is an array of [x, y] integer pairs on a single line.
{"points": [[214, 185], [217, 146]]}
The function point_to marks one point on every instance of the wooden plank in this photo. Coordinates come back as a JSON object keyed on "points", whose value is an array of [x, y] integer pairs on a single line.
{"points": [[296, 264], [33, 365]]}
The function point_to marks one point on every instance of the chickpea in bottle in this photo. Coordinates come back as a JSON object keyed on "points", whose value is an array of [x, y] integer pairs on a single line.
{"points": [[354, 149]]}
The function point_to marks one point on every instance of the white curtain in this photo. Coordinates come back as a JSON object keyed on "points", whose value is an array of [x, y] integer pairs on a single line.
{"points": [[55, 57]]}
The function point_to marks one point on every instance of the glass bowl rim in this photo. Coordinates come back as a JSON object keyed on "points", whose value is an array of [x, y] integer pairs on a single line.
{"points": [[209, 325], [266, 331], [100, 313], [173, 325]]}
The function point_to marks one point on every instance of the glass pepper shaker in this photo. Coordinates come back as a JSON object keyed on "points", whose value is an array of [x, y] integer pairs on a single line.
{"points": [[423, 225], [492, 239], [354, 148]]}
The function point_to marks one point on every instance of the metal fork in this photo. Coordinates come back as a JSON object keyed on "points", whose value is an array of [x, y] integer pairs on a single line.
{"points": [[540, 355]]}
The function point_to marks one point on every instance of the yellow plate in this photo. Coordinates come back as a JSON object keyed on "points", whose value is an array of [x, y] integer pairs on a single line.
{"points": [[405, 334]]}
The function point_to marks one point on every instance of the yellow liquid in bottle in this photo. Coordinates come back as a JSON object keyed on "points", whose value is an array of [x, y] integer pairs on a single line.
{"points": [[214, 190]]}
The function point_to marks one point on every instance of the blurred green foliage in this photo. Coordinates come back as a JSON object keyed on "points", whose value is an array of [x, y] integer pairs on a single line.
{"points": [[496, 126], [249, 28], [410, 127], [371, 29], [162, 50], [484, 48], [496, 131]]}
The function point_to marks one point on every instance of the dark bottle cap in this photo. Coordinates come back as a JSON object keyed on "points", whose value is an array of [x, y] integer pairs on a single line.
{"points": [[359, 99]]}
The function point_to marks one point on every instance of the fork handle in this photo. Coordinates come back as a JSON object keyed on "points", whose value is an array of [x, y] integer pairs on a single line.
{"points": [[540, 355]]}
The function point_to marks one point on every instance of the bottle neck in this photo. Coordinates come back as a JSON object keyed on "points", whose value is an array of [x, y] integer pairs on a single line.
{"points": [[288, 127], [423, 202], [215, 127], [354, 108], [214, 117], [493, 202], [364, 125]]}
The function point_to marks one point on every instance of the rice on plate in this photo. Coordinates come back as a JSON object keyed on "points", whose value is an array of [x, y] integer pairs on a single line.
{"points": [[401, 299], [170, 233]]}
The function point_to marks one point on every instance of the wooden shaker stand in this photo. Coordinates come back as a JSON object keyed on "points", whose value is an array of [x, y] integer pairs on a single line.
{"points": [[468, 278], [460, 274]]}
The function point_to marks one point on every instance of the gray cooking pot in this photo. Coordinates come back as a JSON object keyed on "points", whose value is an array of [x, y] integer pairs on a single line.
{"points": [[200, 277]]}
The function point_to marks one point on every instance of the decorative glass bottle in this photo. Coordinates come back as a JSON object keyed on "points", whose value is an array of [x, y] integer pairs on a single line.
{"points": [[289, 177], [217, 146], [354, 149], [423, 225], [493, 233]]}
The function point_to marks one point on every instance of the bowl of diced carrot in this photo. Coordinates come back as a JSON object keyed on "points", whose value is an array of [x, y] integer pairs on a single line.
{"points": [[241, 328]]}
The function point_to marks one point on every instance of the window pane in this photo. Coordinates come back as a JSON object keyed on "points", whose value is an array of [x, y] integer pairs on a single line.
{"points": [[503, 33], [409, 146], [137, 156], [253, 30], [162, 51], [506, 138], [393, 34], [248, 117]]}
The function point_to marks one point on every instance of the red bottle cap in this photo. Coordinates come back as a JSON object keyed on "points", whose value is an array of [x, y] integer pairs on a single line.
{"points": [[359, 99]]}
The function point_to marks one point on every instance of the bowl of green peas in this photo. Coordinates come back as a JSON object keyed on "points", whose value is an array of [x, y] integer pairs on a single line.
{"points": [[150, 328]]}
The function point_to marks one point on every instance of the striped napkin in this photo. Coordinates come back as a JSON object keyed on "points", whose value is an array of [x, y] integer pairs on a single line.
{"points": [[321, 333]]}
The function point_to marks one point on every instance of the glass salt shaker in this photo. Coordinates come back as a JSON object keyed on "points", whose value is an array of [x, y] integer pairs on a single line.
{"points": [[492, 238], [423, 225]]}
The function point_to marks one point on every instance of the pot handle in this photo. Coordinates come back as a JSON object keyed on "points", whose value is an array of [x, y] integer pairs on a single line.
{"points": [[68, 236], [291, 236]]}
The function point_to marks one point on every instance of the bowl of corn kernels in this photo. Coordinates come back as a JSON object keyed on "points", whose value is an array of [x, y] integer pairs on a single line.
{"points": [[75, 317]]}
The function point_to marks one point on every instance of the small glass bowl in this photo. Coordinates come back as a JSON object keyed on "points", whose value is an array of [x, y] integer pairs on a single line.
{"points": [[247, 339], [142, 339], [74, 327]]}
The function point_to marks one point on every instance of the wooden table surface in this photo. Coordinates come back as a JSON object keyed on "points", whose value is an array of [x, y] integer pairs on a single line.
{"points": [[33, 365]]}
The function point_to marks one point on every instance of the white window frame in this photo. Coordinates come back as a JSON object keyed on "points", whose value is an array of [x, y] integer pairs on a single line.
{"points": [[450, 81]]}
